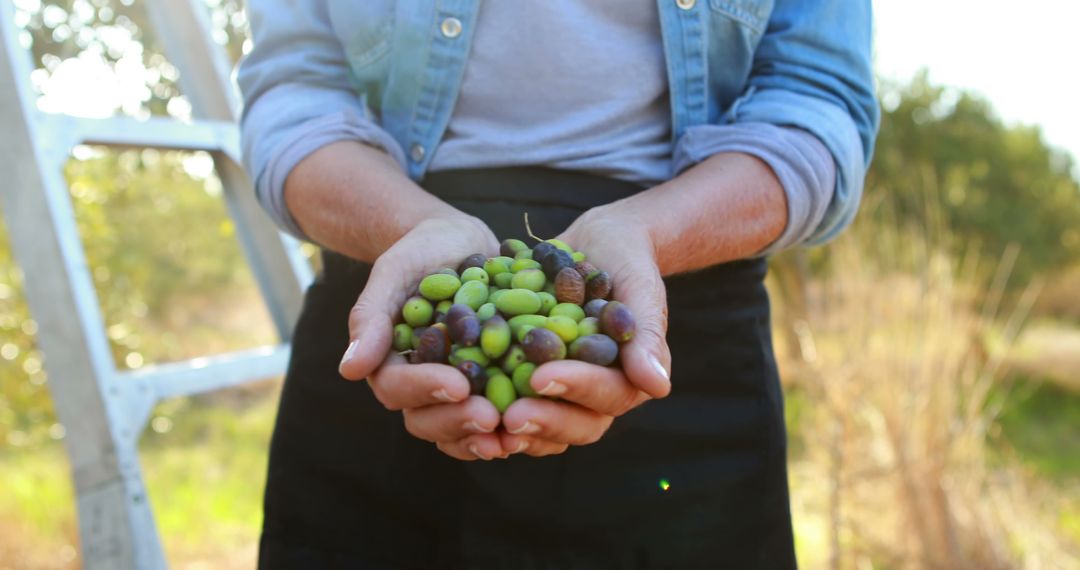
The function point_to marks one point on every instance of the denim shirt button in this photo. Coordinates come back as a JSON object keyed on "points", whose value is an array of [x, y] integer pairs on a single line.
{"points": [[451, 27], [416, 152], [685, 4]]}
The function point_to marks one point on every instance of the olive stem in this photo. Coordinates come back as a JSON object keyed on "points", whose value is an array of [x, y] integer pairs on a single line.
{"points": [[528, 230]]}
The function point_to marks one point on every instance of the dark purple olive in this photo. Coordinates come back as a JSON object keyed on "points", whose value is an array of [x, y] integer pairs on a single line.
{"points": [[555, 262], [617, 322], [541, 250], [434, 345], [458, 311], [476, 376], [542, 345], [474, 260], [465, 330], [593, 308], [595, 349]]}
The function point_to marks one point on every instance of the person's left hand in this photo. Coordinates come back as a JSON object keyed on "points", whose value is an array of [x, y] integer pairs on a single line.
{"points": [[591, 396]]}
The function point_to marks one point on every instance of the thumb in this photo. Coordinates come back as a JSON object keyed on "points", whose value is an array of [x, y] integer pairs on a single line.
{"points": [[371, 321], [646, 358]]}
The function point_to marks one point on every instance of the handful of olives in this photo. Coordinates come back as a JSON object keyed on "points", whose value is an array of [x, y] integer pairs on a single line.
{"points": [[496, 319]]}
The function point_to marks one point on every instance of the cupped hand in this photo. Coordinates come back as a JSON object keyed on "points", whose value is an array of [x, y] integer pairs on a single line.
{"points": [[434, 398], [591, 396]]}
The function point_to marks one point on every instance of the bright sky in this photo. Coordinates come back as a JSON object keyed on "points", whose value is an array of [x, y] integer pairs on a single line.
{"points": [[1022, 56]]}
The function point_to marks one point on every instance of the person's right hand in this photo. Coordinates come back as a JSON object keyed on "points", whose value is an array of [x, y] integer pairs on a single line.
{"points": [[434, 398]]}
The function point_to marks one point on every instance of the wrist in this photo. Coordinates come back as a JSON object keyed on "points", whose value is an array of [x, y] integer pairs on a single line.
{"points": [[622, 221]]}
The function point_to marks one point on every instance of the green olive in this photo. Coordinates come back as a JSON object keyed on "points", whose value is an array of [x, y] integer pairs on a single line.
{"points": [[568, 310], [503, 280], [561, 245], [495, 266], [500, 391], [521, 320], [512, 247], [495, 337], [472, 293], [520, 264], [565, 327], [521, 377], [402, 337], [532, 279], [475, 274], [486, 311], [417, 312], [547, 302], [518, 302], [439, 286], [513, 358], [588, 326], [473, 353]]}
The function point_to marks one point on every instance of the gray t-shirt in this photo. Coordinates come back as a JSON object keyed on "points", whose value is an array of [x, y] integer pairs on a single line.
{"points": [[567, 84]]}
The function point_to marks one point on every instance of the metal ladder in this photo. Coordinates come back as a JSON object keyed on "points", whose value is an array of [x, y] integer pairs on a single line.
{"points": [[104, 410]]}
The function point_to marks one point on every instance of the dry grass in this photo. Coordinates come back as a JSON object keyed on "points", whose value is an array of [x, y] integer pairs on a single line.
{"points": [[897, 347]]}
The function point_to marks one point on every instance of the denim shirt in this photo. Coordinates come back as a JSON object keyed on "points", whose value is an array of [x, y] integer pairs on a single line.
{"points": [[792, 63]]}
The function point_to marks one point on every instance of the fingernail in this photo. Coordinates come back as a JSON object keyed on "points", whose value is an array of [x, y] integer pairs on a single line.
{"points": [[526, 428], [442, 395], [476, 428], [349, 352], [659, 367], [521, 447], [552, 389], [476, 451]]}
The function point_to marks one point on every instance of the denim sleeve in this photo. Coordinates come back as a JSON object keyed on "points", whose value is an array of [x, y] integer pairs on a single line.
{"points": [[297, 98], [802, 164], [812, 71]]}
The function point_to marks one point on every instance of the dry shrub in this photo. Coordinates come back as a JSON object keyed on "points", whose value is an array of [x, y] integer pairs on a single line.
{"points": [[897, 348]]}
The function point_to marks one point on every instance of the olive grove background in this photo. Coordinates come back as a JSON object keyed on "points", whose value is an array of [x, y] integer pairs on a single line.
{"points": [[931, 354]]}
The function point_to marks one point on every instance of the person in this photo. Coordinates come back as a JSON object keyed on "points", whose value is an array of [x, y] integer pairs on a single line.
{"points": [[678, 143]]}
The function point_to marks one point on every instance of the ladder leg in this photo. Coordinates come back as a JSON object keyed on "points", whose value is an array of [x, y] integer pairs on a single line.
{"points": [[116, 525]]}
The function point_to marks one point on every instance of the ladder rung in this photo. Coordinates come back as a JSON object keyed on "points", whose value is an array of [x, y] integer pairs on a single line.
{"points": [[212, 372], [156, 132]]}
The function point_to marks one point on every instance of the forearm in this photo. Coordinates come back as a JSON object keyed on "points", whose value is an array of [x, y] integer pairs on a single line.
{"points": [[729, 206], [354, 199]]}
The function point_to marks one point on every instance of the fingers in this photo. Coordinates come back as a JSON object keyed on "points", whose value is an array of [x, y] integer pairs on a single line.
{"points": [[598, 388], [447, 423], [484, 447], [371, 320], [398, 384], [646, 359], [535, 447], [559, 422]]}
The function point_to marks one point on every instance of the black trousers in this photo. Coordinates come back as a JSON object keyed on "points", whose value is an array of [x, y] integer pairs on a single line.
{"points": [[348, 487]]}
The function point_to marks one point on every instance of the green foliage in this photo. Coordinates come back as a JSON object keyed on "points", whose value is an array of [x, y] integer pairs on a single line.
{"points": [[26, 412], [996, 183], [1040, 425], [166, 266]]}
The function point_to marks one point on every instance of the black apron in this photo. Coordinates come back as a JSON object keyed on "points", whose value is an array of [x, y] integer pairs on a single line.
{"points": [[696, 480]]}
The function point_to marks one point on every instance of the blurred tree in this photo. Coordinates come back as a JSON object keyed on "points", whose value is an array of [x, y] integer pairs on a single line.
{"points": [[994, 183]]}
